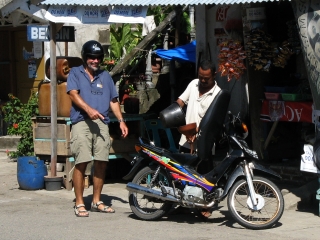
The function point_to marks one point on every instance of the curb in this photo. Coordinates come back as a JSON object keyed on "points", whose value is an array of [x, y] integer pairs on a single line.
{"points": [[302, 197]]}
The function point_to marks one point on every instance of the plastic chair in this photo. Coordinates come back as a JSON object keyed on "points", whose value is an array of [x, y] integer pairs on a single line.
{"points": [[154, 125]]}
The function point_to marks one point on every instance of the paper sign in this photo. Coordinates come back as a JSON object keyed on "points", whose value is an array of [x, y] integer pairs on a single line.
{"points": [[37, 49], [32, 69], [256, 13], [307, 161]]}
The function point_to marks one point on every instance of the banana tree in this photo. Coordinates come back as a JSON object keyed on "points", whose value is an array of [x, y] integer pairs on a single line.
{"points": [[123, 39]]}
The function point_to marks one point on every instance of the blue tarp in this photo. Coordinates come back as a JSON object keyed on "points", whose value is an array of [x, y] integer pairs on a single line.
{"points": [[181, 53]]}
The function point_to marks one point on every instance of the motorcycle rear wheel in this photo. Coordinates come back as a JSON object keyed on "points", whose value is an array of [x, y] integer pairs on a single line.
{"points": [[268, 215], [145, 207]]}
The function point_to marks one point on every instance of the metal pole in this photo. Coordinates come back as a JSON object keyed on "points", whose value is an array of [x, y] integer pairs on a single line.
{"points": [[53, 78], [166, 63], [149, 82]]}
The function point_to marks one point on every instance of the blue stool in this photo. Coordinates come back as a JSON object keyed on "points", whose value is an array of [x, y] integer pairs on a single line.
{"points": [[154, 125]]}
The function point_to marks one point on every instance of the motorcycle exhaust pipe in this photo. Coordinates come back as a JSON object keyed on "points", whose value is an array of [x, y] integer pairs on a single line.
{"points": [[132, 187]]}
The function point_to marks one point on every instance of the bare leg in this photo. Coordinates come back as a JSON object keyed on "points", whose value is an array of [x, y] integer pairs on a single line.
{"points": [[99, 173], [98, 181], [78, 183]]}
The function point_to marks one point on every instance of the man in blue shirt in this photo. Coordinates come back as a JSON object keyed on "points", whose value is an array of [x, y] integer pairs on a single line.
{"points": [[92, 93]]}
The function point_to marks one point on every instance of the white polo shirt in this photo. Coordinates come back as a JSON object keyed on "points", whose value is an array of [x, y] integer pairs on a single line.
{"points": [[196, 106]]}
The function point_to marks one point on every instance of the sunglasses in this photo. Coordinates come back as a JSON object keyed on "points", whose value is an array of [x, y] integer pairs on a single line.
{"points": [[93, 57]]}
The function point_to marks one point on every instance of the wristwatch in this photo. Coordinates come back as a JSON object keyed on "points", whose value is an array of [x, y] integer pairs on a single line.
{"points": [[121, 120]]}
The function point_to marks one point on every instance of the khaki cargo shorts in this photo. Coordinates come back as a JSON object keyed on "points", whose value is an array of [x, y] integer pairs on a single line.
{"points": [[90, 140]]}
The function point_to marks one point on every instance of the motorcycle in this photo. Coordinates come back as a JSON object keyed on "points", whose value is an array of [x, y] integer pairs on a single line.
{"points": [[162, 178]]}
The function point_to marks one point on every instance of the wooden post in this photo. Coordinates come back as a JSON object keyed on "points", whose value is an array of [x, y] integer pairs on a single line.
{"points": [[177, 31], [66, 49], [273, 128], [53, 95], [192, 31]]}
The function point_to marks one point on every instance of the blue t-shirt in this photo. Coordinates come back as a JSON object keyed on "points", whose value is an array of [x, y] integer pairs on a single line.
{"points": [[97, 94]]}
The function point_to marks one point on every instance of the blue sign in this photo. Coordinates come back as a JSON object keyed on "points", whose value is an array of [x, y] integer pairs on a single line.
{"points": [[41, 33]]}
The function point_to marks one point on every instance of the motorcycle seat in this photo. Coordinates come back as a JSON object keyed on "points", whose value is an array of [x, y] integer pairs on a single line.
{"points": [[185, 159]]}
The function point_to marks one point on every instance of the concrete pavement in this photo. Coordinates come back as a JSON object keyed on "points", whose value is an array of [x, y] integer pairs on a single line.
{"points": [[46, 214]]}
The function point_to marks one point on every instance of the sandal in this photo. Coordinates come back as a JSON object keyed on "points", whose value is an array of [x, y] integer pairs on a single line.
{"points": [[106, 209], [80, 213], [206, 214]]}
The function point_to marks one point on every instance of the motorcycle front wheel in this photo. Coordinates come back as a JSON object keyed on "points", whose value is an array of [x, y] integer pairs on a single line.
{"points": [[145, 207], [268, 210]]}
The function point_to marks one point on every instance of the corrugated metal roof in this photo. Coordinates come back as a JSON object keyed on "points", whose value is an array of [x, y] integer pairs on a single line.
{"points": [[146, 2]]}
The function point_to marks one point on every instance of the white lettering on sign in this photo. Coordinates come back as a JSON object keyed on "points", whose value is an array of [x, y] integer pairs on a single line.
{"points": [[39, 33], [291, 113], [34, 33], [43, 33]]}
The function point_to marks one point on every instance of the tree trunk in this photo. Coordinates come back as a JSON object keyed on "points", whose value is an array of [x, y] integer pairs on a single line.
{"points": [[144, 43]]}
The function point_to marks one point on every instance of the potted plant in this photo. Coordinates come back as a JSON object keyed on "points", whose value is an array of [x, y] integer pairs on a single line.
{"points": [[18, 116]]}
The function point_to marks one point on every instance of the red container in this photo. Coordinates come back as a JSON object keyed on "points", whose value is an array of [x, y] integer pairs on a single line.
{"points": [[272, 96]]}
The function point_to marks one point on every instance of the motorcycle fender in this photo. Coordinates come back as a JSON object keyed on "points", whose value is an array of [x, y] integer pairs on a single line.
{"points": [[138, 161], [235, 174], [259, 167]]}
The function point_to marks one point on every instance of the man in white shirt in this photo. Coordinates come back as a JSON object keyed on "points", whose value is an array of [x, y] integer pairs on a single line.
{"points": [[198, 96]]}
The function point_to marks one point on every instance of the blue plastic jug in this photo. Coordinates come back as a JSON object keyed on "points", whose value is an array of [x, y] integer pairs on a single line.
{"points": [[30, 173]]}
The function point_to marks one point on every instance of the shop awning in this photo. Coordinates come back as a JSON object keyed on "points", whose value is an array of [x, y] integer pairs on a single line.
{"points": [[115, 11], [146, 2], [181, 53]]}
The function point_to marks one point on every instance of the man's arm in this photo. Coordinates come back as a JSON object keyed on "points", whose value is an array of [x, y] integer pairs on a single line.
{"points": [[77, 100], [115, 107], [180, 102], [183, 99]]}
